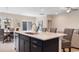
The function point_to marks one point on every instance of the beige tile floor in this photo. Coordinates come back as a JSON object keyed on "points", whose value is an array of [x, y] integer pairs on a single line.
{"points": [[9, 47], [73, 50]]}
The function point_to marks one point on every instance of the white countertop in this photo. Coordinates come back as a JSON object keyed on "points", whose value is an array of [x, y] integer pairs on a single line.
{"points": [[44, 35]]}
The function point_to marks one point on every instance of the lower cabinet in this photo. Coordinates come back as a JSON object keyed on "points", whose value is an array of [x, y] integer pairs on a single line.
{"points": [[21, 45], [51, 45], [35, 48], [24, 43], [38, 45], [29, 44]]}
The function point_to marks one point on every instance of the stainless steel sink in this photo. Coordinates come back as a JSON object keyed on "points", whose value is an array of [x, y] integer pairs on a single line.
{"points": [[31, 33]]}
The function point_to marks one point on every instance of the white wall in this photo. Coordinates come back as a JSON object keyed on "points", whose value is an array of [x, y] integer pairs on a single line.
{"points": [[67, 21], [17, 18]]}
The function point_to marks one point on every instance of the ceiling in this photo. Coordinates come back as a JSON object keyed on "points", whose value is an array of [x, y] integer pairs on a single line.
{"points": [[34, 10]]}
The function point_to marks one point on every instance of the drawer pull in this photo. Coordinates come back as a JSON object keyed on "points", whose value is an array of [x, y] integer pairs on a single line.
{"points": [[34, 46], [34, 41]]}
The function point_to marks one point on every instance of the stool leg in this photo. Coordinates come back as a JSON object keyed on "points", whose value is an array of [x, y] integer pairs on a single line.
{"points": [[63, 49], [69, 49]]}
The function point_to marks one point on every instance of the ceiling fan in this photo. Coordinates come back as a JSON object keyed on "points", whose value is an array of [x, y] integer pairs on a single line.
{"points": [[71, 9]]}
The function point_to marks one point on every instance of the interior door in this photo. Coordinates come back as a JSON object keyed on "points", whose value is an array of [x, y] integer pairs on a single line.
{"points": [[49, 24]]}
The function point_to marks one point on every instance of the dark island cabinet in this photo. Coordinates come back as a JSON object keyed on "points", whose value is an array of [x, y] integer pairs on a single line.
{"points": [[27, 45], [24, 44], [21, 45], [51, 45], [31, 44], [38, 45]]}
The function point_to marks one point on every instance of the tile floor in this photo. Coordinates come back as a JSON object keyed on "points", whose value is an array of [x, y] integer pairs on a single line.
{"points": [[9, 47]]}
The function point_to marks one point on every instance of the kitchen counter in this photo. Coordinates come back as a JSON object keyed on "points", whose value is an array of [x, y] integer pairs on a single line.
{"points": [[42, 35], [38, 42]]}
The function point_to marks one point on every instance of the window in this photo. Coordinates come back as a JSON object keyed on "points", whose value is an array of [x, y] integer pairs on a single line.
{"points": [[26, 25], [29, 26]]}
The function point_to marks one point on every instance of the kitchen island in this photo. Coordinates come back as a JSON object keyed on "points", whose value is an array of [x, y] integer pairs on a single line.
{"points": [[38, 42]]}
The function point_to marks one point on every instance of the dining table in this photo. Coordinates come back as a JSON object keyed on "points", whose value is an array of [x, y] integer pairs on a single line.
{"points": [[7, 35]]}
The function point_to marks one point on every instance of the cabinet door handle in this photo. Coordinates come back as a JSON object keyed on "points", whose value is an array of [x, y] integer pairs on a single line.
{"points": [[34, 46], [34, 41], [26, 40]]}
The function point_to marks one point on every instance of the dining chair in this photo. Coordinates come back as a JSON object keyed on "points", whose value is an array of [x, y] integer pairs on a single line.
{"points": [[11, 36], [53, 30], [1, 34], [11, 33], [66, 42], [6, 37]]}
